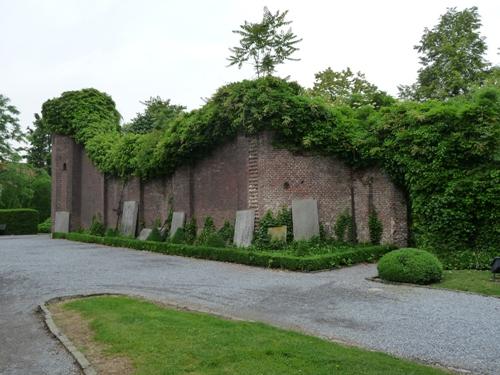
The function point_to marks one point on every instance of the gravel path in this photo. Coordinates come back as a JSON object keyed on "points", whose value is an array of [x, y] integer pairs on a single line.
{"points": [[452, 329]]}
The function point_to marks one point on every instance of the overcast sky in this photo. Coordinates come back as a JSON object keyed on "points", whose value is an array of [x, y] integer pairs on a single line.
{"points": [[178, 49]]}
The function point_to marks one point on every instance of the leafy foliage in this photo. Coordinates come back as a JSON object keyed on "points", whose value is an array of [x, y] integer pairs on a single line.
{"points": [[97, 228], [266, 44], [345, 87], [190, 231], [226, 232], [444, 154], [9, 130], [156, 116], [22, 186], [155, 235], [410, 266], [452, 57], [40, 138], [345, 257], [19, 221], [262, 239], [375, 227], [207, 231], [45, 226], [344, 228]]}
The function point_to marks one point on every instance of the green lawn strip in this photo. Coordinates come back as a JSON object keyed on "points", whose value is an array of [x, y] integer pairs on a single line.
{"points": [[343, 257], [167, 341], [470, 281]]}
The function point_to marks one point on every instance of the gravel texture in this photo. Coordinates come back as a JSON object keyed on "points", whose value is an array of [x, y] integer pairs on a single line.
{"points": [[452, 329]]}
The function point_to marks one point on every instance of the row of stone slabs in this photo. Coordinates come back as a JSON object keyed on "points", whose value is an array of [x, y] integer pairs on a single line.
{"points": [[304, 217]]}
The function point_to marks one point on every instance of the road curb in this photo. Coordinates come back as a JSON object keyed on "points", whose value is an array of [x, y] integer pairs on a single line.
{"points": [[80, 359]]}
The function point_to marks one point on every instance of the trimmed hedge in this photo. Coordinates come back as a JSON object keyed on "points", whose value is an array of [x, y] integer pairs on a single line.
{"points": [[410, 266], [234, 255], [19, 220]]}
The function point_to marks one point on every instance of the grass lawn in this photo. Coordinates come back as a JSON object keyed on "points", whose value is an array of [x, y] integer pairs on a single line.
{"points": [[160, 340], [470, 281]]}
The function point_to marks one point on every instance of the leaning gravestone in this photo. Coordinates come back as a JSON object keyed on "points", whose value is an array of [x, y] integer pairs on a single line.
{"points": [[277, 233], [145, 232], [305, 219], [62, 222], [243, 228], [178, 219], [129, 218]]}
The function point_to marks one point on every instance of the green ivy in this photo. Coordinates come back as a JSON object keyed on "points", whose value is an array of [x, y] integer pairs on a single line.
{"points": [[445, 155]]}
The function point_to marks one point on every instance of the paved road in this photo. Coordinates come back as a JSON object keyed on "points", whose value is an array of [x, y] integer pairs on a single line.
{"points": [[452, 329]]}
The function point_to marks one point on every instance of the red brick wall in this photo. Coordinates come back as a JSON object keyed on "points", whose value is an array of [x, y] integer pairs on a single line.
{"points": [[283, 177], [243, 173]]}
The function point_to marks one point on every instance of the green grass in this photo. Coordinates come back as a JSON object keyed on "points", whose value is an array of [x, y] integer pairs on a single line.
{"points": [[470, 281], [167, 341]]}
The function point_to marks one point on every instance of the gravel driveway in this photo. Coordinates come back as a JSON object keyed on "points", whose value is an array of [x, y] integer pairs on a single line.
{"points": [[452, 329]]}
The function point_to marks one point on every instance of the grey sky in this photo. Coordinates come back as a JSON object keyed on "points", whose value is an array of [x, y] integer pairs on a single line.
{"points": [[177, 49]]}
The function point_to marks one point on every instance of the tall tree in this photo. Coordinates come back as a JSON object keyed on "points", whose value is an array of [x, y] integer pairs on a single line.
{"points": [[158, 112], [39, 151], [346, 87], [452, 57], [266, 44], [10, 130]]}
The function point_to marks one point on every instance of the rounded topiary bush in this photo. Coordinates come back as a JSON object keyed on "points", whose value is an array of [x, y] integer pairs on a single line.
{"points": [[410, 266]]}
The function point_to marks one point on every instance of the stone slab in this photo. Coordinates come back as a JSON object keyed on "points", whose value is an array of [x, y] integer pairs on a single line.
{"points": [[243, 228], [178, 220], [61, 224], [305, 219], [128, 224], [277, 233], [144, 234]]}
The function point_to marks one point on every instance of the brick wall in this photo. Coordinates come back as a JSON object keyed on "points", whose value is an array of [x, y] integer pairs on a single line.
{"points": [[243, 173]]}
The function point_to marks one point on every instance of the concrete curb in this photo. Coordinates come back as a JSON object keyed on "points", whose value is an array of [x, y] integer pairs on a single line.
{"points": [[80, 359]]}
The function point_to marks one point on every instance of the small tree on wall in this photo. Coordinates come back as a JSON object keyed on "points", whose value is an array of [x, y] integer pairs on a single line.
{"points": [[266, 44]]}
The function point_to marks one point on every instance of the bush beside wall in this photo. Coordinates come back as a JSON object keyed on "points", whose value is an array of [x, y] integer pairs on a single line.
{"points": [[234, 255], [19, 220]]}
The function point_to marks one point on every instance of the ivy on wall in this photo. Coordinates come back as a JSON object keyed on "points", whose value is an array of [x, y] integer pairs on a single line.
{"points": [[445, 154]]}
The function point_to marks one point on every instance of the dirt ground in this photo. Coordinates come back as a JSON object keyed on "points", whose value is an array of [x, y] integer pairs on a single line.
{"points": [[78, 330]]}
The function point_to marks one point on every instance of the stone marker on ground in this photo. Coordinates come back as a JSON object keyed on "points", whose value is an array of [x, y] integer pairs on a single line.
{"points": [[305, 219], [178, 219], [243, 228], [277, 233], [129, 218], [61, 224], [145, 232]]}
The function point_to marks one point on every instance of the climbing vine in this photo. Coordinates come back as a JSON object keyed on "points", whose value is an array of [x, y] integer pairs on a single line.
{"points": [[444, 154]]}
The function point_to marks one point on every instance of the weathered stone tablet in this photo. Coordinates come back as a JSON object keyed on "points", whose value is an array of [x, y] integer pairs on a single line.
{"points": [[62, 222], [277, 233], [129, 218], [178, 219], [305, 219], [243, 228], [144, 234]]}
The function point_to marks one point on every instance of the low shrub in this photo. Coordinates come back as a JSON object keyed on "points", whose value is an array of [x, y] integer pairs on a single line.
{"points": [[227, 232], [19, 220], [97, 228], [215, 240], [344, 228], [45, 226], [110, 232], [179, 237], [375, 227], [467, 259], [155, 235], [190, 230], [410, 266], [234, 255], [207, 231]]}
